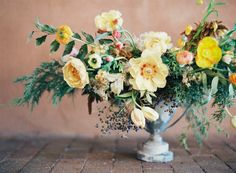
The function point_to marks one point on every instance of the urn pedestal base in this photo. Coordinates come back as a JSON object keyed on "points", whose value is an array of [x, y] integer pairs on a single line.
{"points": [[155, 150]]}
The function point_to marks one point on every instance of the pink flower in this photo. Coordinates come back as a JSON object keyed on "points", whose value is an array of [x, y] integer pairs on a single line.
{"points": [[116, 34], [109, 58], [119, 45], [184, 57]]}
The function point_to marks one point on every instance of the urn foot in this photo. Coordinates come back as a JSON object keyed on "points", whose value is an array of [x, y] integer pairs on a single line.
{"points": [[155, 150]]}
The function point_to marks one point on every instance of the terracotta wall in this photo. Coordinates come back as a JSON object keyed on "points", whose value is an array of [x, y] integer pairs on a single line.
{"points": [[19, 57]]}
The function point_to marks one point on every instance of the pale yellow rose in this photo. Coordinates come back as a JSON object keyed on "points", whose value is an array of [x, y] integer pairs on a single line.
{"points": [[150, 114], [109, 21], [137, 117], [148, 72], [75, 73], [159, 40]]}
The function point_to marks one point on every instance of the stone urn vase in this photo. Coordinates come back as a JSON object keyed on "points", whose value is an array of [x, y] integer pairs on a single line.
{"points": [[155, 149]]}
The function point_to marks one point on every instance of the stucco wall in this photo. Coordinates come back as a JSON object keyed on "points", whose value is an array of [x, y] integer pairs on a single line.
{"points": [[19, 57]]}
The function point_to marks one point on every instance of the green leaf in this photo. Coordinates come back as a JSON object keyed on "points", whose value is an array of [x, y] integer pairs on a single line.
{"points": [[30, 35], [77, 36], [40, 40], [82, 52], [45, 28], [105, 41], [231, 90], [88, 37], [68, 48], [125, 95], [54, 46], [214, 85]]}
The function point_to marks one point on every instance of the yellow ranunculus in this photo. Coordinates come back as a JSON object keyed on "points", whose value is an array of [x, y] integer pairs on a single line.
{"points": [[208, 53], [150, 114], [148, 72], [75, 73], [159, 40], [138, 118], [109, 21], [64, 34]]}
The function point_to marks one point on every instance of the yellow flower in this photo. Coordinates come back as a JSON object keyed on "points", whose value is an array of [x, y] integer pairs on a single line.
{"points": [[180, 43], [150, 114], [137, 117], [109, 21], [208, 53], [188, 29], [159, 40], [75, 73], [148, 72], [64, 34], [232, 78]]}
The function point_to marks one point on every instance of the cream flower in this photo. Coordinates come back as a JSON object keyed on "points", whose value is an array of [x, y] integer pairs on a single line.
{"points": [[155, 40], [148, 72], [109, 21], [150, 114], [75, 74], [95, 61], [137, 117]]}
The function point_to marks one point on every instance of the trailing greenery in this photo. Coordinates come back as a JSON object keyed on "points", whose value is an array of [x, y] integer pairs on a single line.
{"points": [[47, 77]]}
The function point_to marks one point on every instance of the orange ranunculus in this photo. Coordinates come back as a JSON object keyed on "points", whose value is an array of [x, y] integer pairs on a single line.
{"points": [[232, 78], [64, 34]]}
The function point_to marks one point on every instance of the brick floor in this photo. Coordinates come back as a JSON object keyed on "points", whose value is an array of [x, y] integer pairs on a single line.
{"points": [[108, 155]]}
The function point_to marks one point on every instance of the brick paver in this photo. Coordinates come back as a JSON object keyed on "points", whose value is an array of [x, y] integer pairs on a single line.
{"points": [[111, 155]]}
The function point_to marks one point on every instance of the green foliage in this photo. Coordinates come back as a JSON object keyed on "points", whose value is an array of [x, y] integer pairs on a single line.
{"points": [[45, 28], [47, 77], [40, 40], [68, 48], [77, 36], [88, 37], [83, 51], [105, 41], [54, 46]]}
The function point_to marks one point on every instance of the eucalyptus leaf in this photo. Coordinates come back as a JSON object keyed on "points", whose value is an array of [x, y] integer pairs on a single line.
{"points": [[105, 41], [40, 40], [214, 85], [54, 46], [102, 36], [68, 48]]}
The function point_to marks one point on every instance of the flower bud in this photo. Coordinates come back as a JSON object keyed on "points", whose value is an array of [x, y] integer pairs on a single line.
{"points": [[138, 118], [116, 34], [150, 114]]}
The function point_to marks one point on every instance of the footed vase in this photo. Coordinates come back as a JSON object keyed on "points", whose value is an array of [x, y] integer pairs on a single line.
{"points": [[155, 149]]}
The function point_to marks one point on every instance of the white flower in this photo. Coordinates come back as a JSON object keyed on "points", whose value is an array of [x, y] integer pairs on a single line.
{"points": [[150, 114], [95, 61], [154, 40], [109, 21], [138, 118]]}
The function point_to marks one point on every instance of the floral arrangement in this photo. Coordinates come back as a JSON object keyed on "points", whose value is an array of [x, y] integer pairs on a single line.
{"points": [[134, 73]]}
